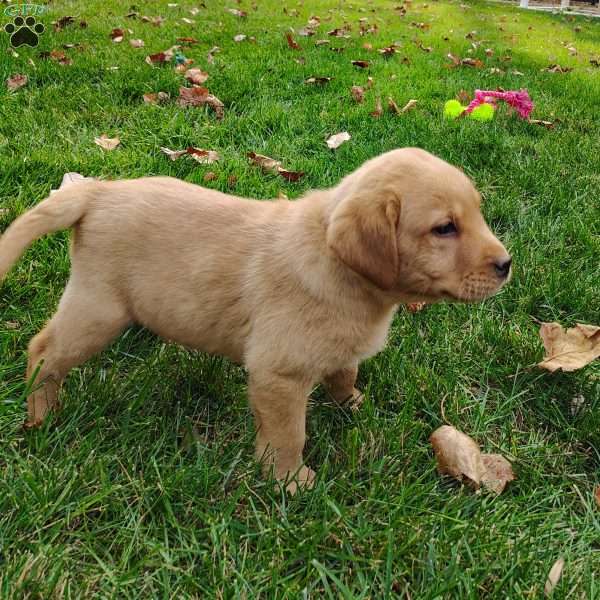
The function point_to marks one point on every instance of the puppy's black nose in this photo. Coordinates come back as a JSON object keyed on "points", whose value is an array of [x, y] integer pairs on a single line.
{"points": [[503, 267]]}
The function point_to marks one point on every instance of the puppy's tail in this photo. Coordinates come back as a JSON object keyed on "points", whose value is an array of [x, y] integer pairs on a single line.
{"points": [[61, 210]]}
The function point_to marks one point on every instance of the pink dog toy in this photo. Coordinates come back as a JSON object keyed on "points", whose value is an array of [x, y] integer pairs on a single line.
{"points": [[520, 101]]}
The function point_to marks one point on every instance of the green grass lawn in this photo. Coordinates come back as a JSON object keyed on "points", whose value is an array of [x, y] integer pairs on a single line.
{"points": [[144, 485]]}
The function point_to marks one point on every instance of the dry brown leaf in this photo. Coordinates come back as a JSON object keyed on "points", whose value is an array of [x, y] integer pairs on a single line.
{"points": [[362, 64], [555, 68], [236, 12], [546, 124], [199, 96], [117, 35], [265, 162], [240, 37], [291, 42], [189, 41], [196, 76], [231, 181], [358, 93], [387, 51], [60, 57], [173, 154], [155, 97], [107, 143], [14, 82], [136, 43], [12, 324], [158, 58], [419, 45], [274, 166], [378, 108], [209, 176], [306, 31], [415, 307], [597, 496], [321, 42], [335, 141], [320, 80], [554, 576], [569, 349], [409, 106], [457, 455], [393, 106], [205, 157], [498, 472]]}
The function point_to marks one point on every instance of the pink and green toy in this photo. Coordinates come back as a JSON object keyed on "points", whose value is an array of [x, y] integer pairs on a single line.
{"points": [[483, 106]]}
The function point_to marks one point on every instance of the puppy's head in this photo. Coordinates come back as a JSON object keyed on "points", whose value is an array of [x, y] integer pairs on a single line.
{"points": [[411, 224]]}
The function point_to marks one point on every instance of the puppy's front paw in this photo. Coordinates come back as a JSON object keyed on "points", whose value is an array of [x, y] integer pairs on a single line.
{"points": [[304, 479]]}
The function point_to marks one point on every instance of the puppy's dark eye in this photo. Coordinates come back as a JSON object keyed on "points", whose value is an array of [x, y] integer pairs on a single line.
{"points": [[446, 229]]}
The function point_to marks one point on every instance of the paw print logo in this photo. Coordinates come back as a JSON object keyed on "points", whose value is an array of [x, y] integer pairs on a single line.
{"points": [[24, 31]]}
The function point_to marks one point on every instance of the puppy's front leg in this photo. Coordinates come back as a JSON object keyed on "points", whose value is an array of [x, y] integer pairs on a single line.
{"points": [[341, 387], [279, 407]]}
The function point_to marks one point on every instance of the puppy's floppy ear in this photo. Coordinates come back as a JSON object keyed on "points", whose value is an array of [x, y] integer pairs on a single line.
{"points": [[362, 232]]}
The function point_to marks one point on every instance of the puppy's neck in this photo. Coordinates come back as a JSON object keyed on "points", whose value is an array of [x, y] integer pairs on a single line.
{"points": [[317, 267]]}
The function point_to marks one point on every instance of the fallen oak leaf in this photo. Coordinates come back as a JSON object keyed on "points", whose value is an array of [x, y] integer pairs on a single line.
{"points": [[358, 93], [291, 42], [556, 68], [414, 307], [199, 96], [546, 124], [273, 166], [569, 349], [107, 143], [237, 13], [14, 82], [554, 576], [155, 97], [117, 35], [409, 106], [205, 157], [378, 108], [336, 140], [196, 76], [319, 80], [457, 455]]}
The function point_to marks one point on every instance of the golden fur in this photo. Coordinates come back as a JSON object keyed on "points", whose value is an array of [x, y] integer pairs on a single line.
{"points": [[299, 292]]}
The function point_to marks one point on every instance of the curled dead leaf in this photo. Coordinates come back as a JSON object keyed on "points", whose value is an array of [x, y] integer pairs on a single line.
{"points": [[597, 496], [237, 13], [291, 42], [156, 97], [358, 93], [107, 143], [335, 141], [569, 349], [273, 166], [393, 106], [200, 96], [409, 106], [361, 64], [14, 82], [136, 43], [117, 35], [158, 58], [554, 576], [387, 51], [556, 68], [415, 307], [378, 108], [459, 455], [209, 176], [319, 80], [196, 76], [546, 124], [205, 157]]}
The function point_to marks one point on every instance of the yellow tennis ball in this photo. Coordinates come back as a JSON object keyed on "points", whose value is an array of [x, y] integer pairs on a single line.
{"points": [[453, 109], [484, 112]]}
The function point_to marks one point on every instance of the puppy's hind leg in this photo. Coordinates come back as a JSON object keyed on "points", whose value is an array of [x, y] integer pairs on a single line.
{"points": [[340, 386], [87, 320]]}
